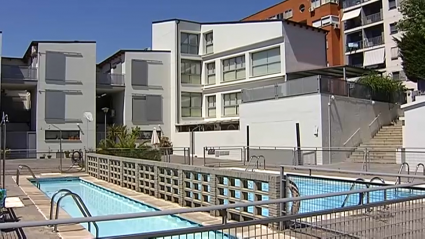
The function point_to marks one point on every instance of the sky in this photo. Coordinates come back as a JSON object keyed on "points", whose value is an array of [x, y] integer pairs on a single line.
{"points": [[113, 24]]}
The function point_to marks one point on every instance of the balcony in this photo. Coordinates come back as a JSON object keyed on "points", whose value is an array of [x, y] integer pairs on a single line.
{"points": [[350, 3], [372, 18], [364, 44], [108, 79], [18, 73]]}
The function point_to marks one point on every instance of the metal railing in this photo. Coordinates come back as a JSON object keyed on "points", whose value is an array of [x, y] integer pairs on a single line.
{"points": [[365, 43], [372, 18], [80, 204], [12, 72], [350, 3], [18, 173], [110, 79], [255, 164], [356, 221]]}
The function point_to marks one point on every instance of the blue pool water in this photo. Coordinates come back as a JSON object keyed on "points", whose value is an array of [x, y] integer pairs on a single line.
{"points": [[104, 202], [314, 186]]}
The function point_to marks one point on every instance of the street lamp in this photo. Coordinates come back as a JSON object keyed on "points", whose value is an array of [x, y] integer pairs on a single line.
{"points": [[4, 120], [105, 110], [60, 147]]}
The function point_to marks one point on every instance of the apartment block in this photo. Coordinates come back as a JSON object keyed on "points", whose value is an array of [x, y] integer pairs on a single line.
{"points": [[317, 13], [369, 29], [134, 85], [45, 95], [212, 62]]}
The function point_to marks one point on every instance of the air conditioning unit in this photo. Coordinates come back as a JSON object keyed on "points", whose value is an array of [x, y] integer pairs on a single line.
{"points": [[336, 26], [311, 9]]}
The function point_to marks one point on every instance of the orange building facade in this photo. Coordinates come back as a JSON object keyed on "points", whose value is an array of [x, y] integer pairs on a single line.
{"points": [[318, 13]]}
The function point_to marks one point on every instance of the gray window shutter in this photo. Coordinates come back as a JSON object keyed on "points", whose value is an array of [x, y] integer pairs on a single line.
{"points": [[55, 105], [154, 104], [139, 110], [139, 73], [55, 66]]}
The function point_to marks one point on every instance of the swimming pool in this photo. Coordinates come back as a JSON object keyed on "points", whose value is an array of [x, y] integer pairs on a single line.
{"points": [[100, 202], [310, 185]]}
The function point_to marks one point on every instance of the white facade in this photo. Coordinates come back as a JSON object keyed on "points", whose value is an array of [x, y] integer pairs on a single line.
{"points": [[369, 29], [212, 62]]}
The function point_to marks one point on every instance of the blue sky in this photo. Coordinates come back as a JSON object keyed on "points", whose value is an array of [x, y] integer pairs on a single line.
{"points": [[114, 24]]}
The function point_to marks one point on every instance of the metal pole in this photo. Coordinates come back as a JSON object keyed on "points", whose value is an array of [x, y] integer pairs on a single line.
{"points": [[60, 151], [247, 143], [297, 130], [4, 121], [105, 125]]}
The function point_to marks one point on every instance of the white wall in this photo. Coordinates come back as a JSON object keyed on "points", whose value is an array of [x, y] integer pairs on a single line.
{"points": [[390, 16]]}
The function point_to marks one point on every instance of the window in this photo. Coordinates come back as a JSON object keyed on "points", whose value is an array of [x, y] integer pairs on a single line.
{"points": [[66, 135], [315, 3], [288, 14], [234, 69], [211, 106], [191, 72], [395, 53], [396, 75], [302, 8], [266, 62], [189, 43], [147, 134], [191, 104], [231, 104], [392, 4], [210, 79], [147, 109], [209, 43], [393, 28]]}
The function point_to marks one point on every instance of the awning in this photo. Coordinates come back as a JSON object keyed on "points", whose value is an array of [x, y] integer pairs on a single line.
{"points": [[374, 57], [351, 14]]}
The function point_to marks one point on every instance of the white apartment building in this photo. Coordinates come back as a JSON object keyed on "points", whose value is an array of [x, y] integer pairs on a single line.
{"points": [[212, 62], [369, 28]]}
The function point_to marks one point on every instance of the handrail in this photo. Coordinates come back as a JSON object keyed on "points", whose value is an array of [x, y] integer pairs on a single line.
{"points": [[251, 162], [81, 205], [381, 180], [361, 195], [18, 173], [401, 170], [417, 168], [52, 201]]}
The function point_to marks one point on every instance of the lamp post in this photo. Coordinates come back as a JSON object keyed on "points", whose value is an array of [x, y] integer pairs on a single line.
{"points": [[60, 147], [105, 110], [4, 121]]}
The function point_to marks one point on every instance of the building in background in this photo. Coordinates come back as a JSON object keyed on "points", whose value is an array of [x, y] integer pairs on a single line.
{"points": [[317, 13]]}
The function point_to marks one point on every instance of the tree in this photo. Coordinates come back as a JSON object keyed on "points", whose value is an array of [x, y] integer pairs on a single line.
{"points": [[412, 41], [383, 87]]}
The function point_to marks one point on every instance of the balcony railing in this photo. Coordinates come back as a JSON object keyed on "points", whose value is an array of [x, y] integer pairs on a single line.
{"points": [[110, 79], [366, 43], [11, 72], [350, 3], [369, 19]]}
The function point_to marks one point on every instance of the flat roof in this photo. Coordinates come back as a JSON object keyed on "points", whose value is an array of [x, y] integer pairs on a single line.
{"points": [[120, 52], [247, 22], [336, 71], [265, 9], [34, 43]]}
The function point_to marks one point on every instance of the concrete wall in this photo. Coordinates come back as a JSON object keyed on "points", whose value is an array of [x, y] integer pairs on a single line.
{"points": [[81, 73], [352, 121]]}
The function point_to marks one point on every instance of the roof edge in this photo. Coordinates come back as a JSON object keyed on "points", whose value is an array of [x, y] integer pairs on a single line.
{"points": [[265, 9], [122, 51]]}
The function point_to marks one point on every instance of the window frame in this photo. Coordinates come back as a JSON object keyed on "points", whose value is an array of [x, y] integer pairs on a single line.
{"points": [[238, 100], [66, 135], [189, 45], [190, 107], [390, 7], [397, 55], [209, 107], [191, 75], [209, 44], [398, 73], [394, 24], [266, 64], [236, 70], [208, 74]]}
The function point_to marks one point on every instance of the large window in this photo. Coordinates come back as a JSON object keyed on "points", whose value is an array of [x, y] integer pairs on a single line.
{"points": [[234, 69], [191, 72], [189, 43], [209, 43], [191, 104], [266, 62], [231, 104], [66, 135], [210, 78], [211, 106]]}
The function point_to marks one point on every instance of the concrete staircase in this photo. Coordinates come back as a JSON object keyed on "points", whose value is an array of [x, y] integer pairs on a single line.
{"points": [[382, 147]]}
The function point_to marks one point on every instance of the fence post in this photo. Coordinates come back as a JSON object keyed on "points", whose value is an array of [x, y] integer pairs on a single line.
{"points": [[109, 170], [121, 172], [214, 192], [275, 193], [98, 167], [156, 180], [181, 186]]}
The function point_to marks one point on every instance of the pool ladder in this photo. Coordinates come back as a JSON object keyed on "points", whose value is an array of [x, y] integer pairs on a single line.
{"points": [[256, 163], [80, 204], [18, 173], [362, 195]]}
